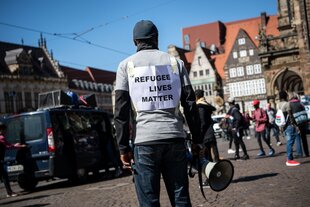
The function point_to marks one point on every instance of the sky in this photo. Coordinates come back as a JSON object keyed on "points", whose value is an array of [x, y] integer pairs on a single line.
{"points": [[98, 33]]}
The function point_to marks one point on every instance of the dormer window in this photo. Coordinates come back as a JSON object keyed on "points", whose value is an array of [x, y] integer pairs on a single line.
{"points": [[241, 41]]}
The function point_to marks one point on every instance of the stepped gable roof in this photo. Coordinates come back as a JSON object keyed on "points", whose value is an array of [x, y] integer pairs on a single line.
{"points": [[40, 63], [251, 27]]}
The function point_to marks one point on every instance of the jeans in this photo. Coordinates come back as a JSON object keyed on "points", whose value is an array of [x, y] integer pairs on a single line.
{"points": [[291, 135], [168, 160], [262, 135], [275, 130]]}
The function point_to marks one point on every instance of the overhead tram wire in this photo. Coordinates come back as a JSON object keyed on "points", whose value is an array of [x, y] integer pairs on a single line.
{"points": [[65, 37], [120, 19]]}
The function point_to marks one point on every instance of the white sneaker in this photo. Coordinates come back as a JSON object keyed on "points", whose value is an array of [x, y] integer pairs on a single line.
{"points": [[231, 151], [240, 150], [248, 137], [279, 143]]}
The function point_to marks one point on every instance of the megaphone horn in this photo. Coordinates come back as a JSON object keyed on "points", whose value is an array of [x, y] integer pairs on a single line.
{"points": [[219, 174]]}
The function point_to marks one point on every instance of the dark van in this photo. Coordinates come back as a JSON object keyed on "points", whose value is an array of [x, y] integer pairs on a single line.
{"points": [[63, 142]]}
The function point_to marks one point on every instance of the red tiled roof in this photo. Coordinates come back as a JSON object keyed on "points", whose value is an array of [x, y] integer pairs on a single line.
{"points": [[251, 27], [219, 62], [208, 33], [73, 73], [101, 76]]}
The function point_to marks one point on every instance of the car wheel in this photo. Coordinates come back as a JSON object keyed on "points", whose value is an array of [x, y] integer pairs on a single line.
{"points": [[27, 182]]}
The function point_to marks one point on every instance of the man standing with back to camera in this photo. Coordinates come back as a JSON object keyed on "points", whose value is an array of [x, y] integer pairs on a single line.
{"points": [[150, 85]]}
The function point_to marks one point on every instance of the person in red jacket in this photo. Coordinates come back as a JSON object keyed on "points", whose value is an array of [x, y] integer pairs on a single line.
{"points": [[260, 119], [4, 144]]}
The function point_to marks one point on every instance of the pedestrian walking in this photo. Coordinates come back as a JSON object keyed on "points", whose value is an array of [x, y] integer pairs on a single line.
{"points": [[300, 116], [290, 129], [236, 129], [261, 120], [149, 87], [4, 144], [246, 124], [271, 126]]}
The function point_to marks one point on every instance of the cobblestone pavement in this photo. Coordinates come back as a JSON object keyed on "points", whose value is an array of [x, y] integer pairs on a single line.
{"points": [[257, 182]]}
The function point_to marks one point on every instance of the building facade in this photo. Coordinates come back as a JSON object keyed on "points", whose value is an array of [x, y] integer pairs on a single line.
{"points": [[234, 47], [26, 71], [285, 57]]}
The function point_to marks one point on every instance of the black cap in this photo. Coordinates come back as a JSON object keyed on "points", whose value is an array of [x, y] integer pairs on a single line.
{"points": [[199, 93], [144, 29]]}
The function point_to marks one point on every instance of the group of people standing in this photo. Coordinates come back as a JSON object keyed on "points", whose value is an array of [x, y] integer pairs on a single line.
{"points": [[294, 130]]}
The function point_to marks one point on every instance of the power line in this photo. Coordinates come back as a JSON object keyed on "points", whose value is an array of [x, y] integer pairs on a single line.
{"points": [[65, 37], [119, 19]]}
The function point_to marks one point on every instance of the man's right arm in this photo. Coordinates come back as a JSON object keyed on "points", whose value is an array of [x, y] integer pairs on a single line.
{"points": [[121, 119]]}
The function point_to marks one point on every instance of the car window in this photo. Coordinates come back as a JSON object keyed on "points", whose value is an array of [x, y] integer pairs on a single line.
{"points": [[33, 127], [25, 128], [13, 132]]}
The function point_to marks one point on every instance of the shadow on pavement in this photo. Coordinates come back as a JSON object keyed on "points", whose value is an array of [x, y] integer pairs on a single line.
{"points": [[64, 183], [25, 199], [254, 177]]}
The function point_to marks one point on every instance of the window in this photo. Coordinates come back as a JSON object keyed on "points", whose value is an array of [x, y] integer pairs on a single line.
{"points": [[207, 72], [246, 88], [8, 98], [199, 60], [232, 72], [187, 47], [28, 100], [257, 69], [240, 71], [249, 69], [251, 52], [19, 102], [243, 53], [195, 74], [241, 41], [235, 55], [186, 39], [36, 97], [202, 44], [201, 73]]}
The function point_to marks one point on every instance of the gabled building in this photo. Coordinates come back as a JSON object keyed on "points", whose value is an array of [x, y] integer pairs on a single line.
{"points": [[235, 53], [203, 74], [26, 71]]}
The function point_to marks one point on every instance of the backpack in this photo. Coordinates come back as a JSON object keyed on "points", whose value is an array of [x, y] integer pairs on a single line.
{"points": [[280, 119]]}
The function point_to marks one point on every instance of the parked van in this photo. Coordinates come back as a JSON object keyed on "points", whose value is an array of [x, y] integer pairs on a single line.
{"points": [[63, 142]]}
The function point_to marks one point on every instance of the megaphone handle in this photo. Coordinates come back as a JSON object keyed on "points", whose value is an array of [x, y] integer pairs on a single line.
{"points": [[200, 177]]}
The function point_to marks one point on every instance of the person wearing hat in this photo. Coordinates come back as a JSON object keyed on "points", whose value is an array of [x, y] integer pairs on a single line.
{"points": [[261, 120], [4, 144], [235, 121], [150, 86]]}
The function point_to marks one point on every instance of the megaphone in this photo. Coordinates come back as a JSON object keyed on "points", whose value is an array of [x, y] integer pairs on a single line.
{"points": [[219, 174]]}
